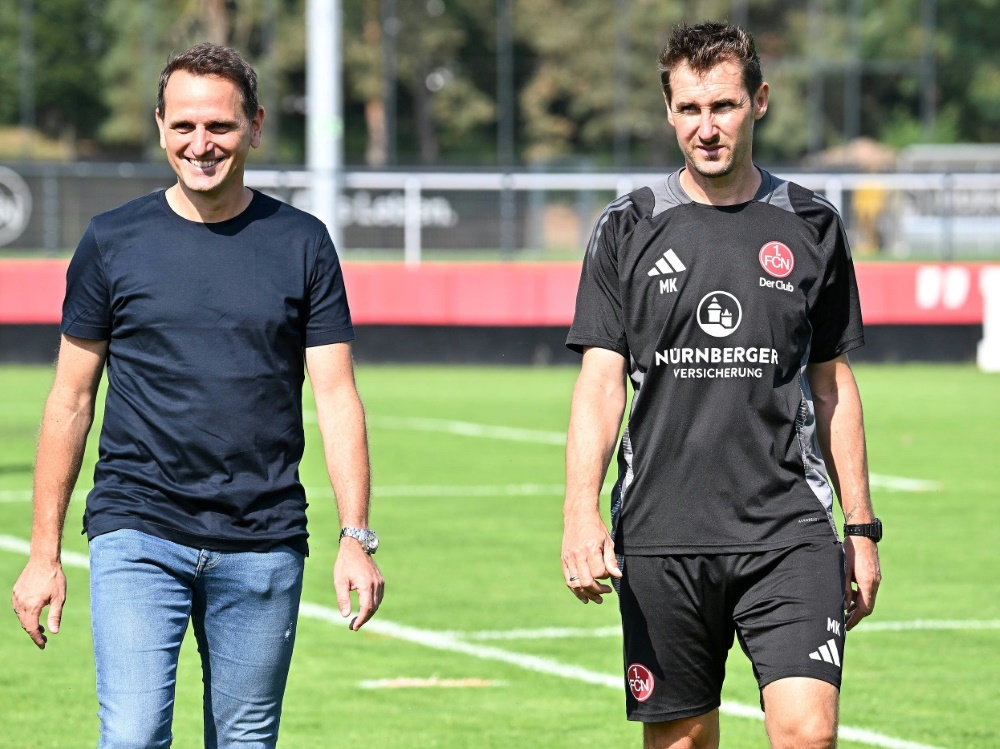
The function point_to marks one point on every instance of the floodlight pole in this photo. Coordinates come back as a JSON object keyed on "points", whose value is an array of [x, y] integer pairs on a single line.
{"points": [[324, 110]]}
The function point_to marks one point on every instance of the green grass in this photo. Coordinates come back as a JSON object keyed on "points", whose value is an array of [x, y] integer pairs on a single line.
{"points": [[492, 562]]}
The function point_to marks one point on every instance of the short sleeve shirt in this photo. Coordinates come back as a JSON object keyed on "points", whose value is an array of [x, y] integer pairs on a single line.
{"points": [[207, 327], [717, 310]]}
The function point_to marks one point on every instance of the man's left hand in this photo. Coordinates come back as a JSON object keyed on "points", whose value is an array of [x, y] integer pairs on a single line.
{"points": [[356, 570], [863, 578]]}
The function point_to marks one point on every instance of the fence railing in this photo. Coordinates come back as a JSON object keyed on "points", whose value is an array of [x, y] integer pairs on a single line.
{"points": [[523, 214]]}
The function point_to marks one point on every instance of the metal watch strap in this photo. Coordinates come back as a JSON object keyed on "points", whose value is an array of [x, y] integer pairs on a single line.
{"points": [[364, 536]]}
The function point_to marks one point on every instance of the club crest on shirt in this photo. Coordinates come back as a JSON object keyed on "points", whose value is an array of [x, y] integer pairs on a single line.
{"points": [[776, 259]]}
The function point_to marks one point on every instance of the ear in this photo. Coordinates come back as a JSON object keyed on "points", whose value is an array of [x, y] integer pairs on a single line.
{"points": [[257, 127], [760, 100], [670, 114], [161, 127]]}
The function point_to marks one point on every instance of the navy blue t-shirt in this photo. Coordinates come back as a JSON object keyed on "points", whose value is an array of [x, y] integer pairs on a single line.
{"points": [[207, 327]]}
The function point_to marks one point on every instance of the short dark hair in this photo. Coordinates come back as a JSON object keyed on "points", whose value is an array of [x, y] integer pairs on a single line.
{"points": [[705, 45], [214, 59]]}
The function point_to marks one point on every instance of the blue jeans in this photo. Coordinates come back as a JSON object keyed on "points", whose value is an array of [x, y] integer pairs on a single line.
{"points": [[243, 606]]}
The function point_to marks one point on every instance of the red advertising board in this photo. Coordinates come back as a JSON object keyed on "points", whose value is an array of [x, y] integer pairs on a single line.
{"points": [[528, 294]]}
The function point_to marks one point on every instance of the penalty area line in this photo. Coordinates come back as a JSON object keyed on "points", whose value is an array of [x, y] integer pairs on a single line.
{"points": [[447, 642]]}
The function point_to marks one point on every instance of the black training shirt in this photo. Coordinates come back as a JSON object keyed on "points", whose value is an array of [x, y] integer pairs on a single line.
{"points": [[207, 327], [717, 311]]}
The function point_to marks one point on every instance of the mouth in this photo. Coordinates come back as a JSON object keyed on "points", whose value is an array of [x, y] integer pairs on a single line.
{"points": [[710, 151], [204, 163]]}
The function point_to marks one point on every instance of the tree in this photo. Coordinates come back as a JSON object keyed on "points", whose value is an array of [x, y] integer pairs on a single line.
{"points": [[445, 102], [68, 40]]}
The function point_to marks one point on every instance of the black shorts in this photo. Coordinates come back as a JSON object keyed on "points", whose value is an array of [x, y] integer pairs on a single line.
{"points": [[680, 613]]}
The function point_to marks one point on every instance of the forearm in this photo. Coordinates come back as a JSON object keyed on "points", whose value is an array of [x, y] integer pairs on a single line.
{"points": [[61, 444], [345, 444], [595, 420], [840, 427]]}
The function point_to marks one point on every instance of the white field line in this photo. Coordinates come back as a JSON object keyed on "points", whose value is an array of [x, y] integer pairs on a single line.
{"points": [[559, 633], [458, 490], [24, 495], [431, 683], [20, 546], [447, 642], [469, 490], [515, 434], [900, 484], [542, 633], [444, 641], [471, 429], [505, 490]]}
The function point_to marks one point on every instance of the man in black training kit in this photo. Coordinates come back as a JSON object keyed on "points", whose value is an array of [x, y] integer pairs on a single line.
{"points": [[728, 298], [206, 301]]}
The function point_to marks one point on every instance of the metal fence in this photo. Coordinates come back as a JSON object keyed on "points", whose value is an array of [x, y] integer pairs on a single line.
{"points": [[520, 215]]}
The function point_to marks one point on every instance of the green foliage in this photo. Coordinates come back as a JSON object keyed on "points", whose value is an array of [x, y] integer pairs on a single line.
{"points": [[97, 62], [69, 39], [902, 130]]}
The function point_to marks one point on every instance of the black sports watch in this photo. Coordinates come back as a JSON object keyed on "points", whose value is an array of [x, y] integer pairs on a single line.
{"points": [[365, 536], [871, 530]]}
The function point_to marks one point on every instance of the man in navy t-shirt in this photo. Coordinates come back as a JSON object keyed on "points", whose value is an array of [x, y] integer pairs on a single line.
{"points": [[207, 303], [727, 297]]}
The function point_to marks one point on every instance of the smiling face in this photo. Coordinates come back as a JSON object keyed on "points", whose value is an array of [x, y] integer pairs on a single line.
{"points": [[713, 115], [206, 136]]}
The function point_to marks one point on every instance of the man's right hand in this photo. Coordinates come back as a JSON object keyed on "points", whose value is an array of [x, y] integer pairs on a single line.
{"points": [[588, 555], [41, 584]]}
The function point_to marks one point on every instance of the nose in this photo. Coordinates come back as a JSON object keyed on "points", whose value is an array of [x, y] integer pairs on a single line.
{"points": [[201, 141], [706, 126]]}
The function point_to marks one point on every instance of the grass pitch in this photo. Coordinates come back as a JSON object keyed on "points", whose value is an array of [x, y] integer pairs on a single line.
{"points": [[470, 521]]}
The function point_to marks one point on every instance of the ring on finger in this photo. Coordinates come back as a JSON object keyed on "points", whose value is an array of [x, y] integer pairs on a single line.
{"points": [[574, 579]]}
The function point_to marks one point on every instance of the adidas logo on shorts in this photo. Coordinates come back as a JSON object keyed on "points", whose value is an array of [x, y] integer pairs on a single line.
{"points": [[827, 652]]}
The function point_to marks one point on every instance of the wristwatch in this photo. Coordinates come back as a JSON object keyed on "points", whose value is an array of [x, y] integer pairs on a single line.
{"points": [[365, 536], [871, 530]]}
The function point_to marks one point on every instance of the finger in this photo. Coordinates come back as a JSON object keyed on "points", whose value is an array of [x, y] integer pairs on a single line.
{"points": [[366, 607], [596, 592], [55, 615], [343, 588], [589, 587], [611, 561], [574, 583], [35, 631]]}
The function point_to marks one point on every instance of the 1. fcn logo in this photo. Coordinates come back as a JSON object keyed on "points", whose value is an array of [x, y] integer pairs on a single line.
{"points": [[776, 259]]}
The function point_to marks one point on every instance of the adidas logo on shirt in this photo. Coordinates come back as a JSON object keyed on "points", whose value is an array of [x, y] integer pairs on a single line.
{"points": [[827, 652], [667, 265]]}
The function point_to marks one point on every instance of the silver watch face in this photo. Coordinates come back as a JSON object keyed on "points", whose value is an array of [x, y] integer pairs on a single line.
{"points": [[370, 542], [365, 536]]}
